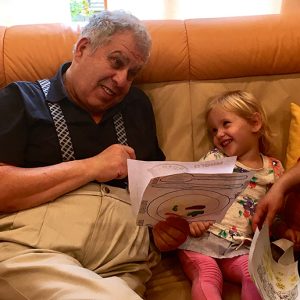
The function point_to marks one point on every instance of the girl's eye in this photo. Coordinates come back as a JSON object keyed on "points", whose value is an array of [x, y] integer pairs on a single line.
{"points": [[214, 131], [226, 123]]}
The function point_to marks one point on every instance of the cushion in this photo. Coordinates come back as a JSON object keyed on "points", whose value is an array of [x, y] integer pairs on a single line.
{"points": [[293, 149]]}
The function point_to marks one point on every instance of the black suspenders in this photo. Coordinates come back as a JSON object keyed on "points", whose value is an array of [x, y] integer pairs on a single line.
{"points": [[62, 130], [61, 127], [120, 129]]}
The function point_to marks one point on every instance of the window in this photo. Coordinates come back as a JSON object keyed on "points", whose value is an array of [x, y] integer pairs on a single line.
{"points": [[188, 9], [97, 5], [14, 12], [81, 10]]}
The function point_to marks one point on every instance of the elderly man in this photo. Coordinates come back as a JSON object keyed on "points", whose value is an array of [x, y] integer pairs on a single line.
{"points": [[66, 225]]}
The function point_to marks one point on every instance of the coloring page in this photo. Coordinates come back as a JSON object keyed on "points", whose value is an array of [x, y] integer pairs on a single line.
{"points": [[194, 190], [275, 280]]}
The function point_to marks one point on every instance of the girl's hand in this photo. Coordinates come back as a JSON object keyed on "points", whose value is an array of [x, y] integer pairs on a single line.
{"points": [[198, 228]]}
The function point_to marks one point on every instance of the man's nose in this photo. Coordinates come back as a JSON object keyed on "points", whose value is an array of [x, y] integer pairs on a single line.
{"points": [[121, 78]]}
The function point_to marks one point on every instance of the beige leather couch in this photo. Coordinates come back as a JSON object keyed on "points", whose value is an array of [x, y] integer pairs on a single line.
{"points": [[191, 61]]}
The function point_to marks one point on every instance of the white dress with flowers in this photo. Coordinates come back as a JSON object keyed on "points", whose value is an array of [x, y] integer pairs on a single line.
{"points": [[232, 236]]}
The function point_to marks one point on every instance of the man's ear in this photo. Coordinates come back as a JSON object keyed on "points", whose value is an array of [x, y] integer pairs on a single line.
{"points": [[256, 122], [80, 47]]}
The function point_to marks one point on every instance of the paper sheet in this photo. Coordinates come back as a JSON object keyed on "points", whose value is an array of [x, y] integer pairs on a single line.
{"points": [[192, 190], [275, 280]]}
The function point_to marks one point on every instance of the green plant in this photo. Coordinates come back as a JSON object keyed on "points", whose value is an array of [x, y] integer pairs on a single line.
{"points": [[80, 9]]}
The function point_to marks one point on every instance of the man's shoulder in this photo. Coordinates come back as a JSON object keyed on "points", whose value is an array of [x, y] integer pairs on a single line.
{"points": [[27, 85], [20, 94], [12, 91], [19, 86]]}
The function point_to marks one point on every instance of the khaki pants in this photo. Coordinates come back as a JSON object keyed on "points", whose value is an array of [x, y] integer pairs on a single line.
{"points": [[84, 245]]}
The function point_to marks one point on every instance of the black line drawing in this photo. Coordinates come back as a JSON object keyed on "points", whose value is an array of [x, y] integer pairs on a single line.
{"points": [[275, 280], [191, 196]]}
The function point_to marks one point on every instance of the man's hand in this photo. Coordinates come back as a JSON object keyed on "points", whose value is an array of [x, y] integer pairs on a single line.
{"points": [[111, 163], [170, 234], [198, 228], [267, 208], [273, 201]]}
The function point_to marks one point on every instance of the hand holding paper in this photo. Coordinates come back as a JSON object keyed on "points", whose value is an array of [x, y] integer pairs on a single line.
{"points": [[171, 233]]}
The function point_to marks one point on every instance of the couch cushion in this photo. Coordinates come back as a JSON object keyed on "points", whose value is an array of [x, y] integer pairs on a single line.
{"points": [[36, 51], [293, 149], [2, 74], [172, 109], [168, 281], [169, 59], [243, 46]]}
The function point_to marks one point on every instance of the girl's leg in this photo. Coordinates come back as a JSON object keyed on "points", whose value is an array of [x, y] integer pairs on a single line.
{"points": [[235, 269], [204, 272]]}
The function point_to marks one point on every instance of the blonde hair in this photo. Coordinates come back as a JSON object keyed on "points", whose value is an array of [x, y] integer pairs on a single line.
{"points": [[244, 104]]}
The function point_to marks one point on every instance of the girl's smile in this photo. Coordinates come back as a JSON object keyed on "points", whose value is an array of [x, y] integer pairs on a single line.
{"points": [[234, 135]]}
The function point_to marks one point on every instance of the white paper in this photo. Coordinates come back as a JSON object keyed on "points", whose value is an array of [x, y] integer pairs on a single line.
{"points": [[192, 190], [274, 280]]}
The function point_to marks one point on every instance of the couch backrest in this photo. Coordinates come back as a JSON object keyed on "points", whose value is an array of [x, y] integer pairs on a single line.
{"points": [[191, 60]]}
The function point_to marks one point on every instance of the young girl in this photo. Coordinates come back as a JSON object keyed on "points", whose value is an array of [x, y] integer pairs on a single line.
{"points": [[238, 126]]}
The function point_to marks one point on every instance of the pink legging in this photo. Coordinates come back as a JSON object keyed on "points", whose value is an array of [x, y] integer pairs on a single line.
{"points": [[206, 275]]}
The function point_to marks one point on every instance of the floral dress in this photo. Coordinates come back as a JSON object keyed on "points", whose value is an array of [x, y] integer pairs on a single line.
{"points": [[232, 236]]}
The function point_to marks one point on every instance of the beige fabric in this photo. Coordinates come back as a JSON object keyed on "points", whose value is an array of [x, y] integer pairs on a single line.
{"points": [[2, 75], [94, 230], [45, 275], [173, 119]]}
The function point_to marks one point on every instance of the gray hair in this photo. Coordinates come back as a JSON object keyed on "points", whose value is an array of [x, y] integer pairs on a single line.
{"points": [[101, 27]]}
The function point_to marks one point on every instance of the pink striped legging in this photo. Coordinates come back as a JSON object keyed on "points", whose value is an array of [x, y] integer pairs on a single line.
{"points": [[206, 272]]}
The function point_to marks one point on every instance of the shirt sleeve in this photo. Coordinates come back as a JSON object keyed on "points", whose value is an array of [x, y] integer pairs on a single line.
{"points": [[277, 168], [13, 126]]}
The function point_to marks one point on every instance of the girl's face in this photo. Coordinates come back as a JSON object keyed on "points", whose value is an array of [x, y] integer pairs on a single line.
{"points": [[234, 135]]}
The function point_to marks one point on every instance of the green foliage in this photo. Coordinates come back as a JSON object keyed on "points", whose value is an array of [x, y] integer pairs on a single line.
{"points": [[80, 10]]}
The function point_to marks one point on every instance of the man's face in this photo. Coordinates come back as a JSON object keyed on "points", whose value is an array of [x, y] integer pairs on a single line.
{"points": [[101, 79]]}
